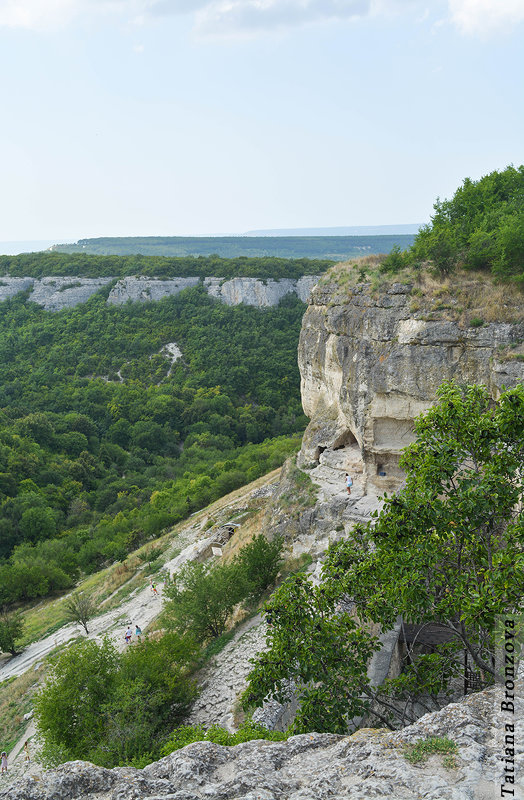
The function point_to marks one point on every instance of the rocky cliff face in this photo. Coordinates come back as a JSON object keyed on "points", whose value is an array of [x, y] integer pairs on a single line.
{"points": [[372, 360], [57, 293]]}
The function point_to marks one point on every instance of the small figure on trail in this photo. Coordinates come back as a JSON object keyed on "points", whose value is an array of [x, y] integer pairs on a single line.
{"points": [[3, 757], [349, 482], [27, 757], [129, 634], [153, 588], [138, 632]]}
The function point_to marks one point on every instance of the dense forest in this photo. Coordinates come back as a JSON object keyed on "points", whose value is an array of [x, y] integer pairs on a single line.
{"points": [[338, 248], [480, 228], [50, 262], [104, 442]]}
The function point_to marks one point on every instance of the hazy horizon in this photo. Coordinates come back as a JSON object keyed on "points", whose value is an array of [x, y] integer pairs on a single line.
{"points": [[167, 115]]}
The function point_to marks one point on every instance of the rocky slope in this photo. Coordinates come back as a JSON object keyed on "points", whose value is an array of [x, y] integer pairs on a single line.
{"points": [[57, 293], [370, 763]]}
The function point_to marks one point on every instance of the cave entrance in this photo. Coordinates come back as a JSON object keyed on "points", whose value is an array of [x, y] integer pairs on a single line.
{"points": [[346, 439], [318, 453]]}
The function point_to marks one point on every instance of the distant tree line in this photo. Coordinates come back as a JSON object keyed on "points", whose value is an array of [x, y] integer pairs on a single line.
{"points": [[49, 263]]}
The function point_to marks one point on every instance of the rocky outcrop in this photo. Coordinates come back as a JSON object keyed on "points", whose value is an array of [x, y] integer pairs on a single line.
{"points": [[53, 293], [142, 289], [11, 286], [256, 292], [59, 292], [370, 763], [370, 364]]}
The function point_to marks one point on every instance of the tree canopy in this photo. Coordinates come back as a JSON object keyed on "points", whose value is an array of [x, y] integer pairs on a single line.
{"points": [[104, 441], [480, 228]]}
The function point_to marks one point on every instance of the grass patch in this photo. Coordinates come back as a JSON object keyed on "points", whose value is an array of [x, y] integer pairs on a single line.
{"points": [[419, 752], [16, 699]]}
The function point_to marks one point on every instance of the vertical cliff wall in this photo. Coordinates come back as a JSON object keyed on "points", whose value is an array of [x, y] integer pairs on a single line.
{"points": [[371, 359]]}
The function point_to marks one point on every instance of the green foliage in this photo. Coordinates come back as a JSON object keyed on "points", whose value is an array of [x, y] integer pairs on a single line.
{"points": [[11, 627], [142, 257], [203, 596], [481, 227], [259, 563], [394, 261], [419, 752], [91, 467], [110, 708], [187, 734], [448, 549], [316, 651]]}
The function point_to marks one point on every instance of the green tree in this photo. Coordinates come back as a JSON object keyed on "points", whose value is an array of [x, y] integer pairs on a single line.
{"points": [[315, 652], [80, 608], [448, 550], [11, 627], [68, 708], [202, 598], [259, 562]]}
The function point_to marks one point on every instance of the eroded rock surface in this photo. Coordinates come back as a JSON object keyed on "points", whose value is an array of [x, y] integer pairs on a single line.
{"points": [[55, 293], [368, 764], [144, 289], [369, 365]]}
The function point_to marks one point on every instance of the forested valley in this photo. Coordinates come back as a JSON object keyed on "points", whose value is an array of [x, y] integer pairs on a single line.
{"points": [[104, 441]]}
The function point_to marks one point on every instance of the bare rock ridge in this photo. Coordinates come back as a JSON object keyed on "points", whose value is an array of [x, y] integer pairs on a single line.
{"points": [[370, 364], [370, 763], [56, 293]]}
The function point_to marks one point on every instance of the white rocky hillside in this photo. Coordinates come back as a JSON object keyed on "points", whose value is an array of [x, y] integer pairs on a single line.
{"points": [[55, 293]]}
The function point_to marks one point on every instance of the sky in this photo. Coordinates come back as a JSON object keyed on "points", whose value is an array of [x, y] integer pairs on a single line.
{"points": [[189, 117]]}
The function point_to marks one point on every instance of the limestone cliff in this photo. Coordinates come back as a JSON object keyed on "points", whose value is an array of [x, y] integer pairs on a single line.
{"points": [[56, 293], [371, 359]]}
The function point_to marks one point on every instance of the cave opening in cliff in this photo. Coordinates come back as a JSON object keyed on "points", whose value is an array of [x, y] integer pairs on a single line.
{"points": [[346, 439], [318, 453]]}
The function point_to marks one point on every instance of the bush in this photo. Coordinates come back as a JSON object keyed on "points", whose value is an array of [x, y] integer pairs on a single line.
{"points": [[111, 708], [259, 561], [249, 730], [202, 598]]}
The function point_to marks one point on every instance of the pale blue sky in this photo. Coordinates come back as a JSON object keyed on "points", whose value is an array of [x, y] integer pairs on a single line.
{"points": [[180, 117]]}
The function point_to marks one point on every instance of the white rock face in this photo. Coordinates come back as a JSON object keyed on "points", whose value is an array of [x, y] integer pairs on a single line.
{"points": [[256, 292], [57, 293], [145, 289], [12, 286], [369, 365]]}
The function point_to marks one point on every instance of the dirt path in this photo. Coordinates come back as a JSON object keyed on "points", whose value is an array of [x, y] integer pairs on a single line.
{"points": [[142, 606]]}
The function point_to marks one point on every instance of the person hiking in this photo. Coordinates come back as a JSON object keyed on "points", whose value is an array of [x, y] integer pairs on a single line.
{"points": [[27, 757], [3, 758], [129, 634], [138, 632], [349, 482]]}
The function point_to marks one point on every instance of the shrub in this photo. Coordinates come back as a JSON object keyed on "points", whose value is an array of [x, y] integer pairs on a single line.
{"points": [[249, 730]]}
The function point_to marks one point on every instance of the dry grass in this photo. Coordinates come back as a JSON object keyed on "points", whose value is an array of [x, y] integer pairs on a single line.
{"points": [[16, 699], [469, 298]]}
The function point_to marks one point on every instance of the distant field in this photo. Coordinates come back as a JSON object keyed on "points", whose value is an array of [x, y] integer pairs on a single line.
{"points": [[336, 248]]}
